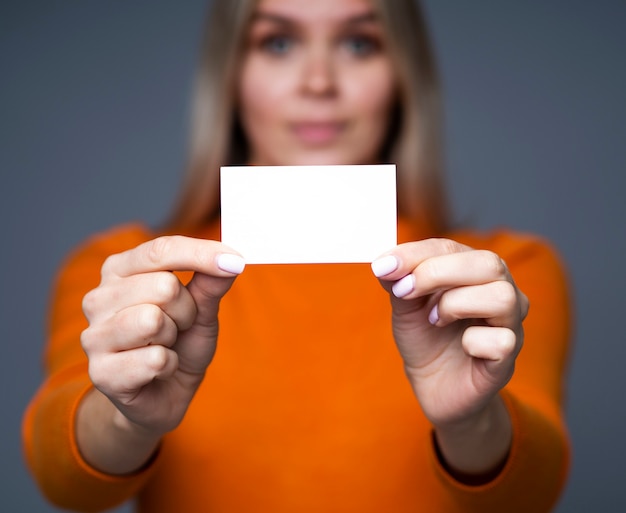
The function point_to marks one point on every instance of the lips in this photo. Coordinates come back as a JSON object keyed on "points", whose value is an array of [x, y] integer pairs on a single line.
{"points": [[317, 133]]}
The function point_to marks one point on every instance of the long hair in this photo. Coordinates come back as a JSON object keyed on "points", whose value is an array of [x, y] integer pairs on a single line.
{"points": [[415, 134]]}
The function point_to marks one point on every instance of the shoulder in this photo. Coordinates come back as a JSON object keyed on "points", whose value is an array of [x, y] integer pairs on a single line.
{"points": [[113, 240], [512, 246], [82, 264], [80, 272], [532, 259]]}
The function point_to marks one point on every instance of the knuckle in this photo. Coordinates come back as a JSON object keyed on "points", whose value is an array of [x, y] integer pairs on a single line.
{"points": [[157, 248], [201, 255], [449, 246], [506, 294], [167, 287], [109, 265], [97, 373], [430, 271], [150, 320], [494, 263], [87, 340], [506, 343], [90, 303], [157, 359]]}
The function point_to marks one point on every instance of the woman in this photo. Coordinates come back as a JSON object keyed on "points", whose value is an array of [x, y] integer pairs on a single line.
{"points": [[305, 406]]}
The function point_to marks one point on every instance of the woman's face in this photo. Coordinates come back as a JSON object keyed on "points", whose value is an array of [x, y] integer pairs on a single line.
{"points": [[316, 83]]}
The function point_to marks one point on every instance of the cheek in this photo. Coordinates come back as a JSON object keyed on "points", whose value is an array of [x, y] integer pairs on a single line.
{"points": [[262, 110], [251, 98], [259, 96], [373, 96]]}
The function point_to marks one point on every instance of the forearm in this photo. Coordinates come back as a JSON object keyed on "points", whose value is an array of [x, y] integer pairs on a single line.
{"points": [[49, 434], [109, 442], [538, 460], [476, 449]]}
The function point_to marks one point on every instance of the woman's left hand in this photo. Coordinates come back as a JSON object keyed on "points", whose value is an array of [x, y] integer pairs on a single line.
{"points": [[457, 321]]}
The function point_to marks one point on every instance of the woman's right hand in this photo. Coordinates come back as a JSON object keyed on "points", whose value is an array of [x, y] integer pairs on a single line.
{"points": [[150, 338]]}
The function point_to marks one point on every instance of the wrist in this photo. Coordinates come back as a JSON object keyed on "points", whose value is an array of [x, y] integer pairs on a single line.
{"points": [[474, 449], [134, 433], [108, 441]]}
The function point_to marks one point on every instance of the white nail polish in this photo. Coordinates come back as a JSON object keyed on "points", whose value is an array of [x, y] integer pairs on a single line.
{"points": [[433, 317], [385, 265], [231, 263], [404, 286]]}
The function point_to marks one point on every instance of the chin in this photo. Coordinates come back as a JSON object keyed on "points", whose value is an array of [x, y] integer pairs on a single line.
{"points": [[325, 158]]}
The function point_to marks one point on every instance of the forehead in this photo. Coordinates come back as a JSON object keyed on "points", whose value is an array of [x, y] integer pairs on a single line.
{"points": [[315, 11]]}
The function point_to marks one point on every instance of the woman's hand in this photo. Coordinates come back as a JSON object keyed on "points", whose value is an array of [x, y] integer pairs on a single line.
{"points": [[150, 338], [457, 321]]}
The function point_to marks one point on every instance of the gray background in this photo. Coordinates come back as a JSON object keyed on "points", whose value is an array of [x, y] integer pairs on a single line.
{"points": [[93, 117]]}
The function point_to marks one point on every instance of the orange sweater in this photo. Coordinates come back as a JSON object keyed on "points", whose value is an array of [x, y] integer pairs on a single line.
{"points": [[306, 407]]}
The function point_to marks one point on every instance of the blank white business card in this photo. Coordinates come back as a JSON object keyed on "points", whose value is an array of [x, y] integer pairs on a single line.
{"points": [[309, 214]]}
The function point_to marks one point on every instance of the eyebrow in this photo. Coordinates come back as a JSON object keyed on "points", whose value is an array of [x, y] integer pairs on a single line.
{"points": [[367, 17]]}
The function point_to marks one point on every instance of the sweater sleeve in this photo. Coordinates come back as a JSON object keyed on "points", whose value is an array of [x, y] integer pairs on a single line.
{"points": [[536, 470], [48, 426]]}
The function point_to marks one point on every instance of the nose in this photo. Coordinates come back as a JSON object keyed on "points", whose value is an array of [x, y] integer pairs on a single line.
{"points": [[319, 73]]}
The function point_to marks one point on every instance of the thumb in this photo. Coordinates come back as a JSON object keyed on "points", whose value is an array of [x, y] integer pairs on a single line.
{"points": [[207, 290], [196, 345], [496, 349]]}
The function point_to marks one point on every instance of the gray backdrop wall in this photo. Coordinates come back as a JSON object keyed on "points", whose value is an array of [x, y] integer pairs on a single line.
{"points": [[93, 116]]}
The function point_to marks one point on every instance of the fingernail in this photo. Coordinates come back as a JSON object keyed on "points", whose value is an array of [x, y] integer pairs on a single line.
{"points": [[231, 263], [433, 316], [404, 286], [385, 265]]}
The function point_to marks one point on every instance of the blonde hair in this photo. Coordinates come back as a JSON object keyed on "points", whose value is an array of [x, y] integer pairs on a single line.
{"points": [[414, 142]]}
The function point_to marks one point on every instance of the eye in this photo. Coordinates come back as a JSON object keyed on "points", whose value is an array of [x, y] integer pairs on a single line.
{"points": [[278, 44], [361, 45]]}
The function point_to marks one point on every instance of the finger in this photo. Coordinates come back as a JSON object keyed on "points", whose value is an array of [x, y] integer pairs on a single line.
{"points": [[495, 348], [449, 271], [160, 288], [176, 253], [196, 346], [207, 292], [441, 264], [120, 376], [135, 326], [498, 303], [400, 261]]}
